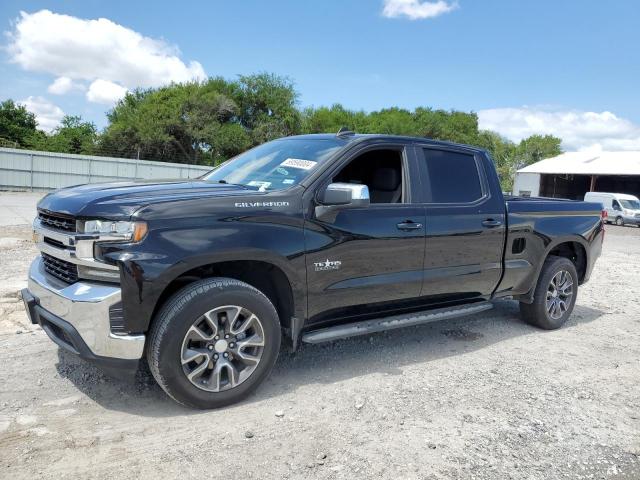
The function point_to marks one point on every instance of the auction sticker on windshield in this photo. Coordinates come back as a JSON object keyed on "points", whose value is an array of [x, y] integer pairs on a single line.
{"points": [[257, 183], [298, 163]]}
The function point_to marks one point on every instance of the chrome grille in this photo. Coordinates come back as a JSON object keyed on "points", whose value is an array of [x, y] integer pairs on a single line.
{"points": [[65, 271], [57, 221]]}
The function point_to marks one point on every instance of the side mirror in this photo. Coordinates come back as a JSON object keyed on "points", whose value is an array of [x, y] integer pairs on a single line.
{"points": [[338, 196], [346, 194]]}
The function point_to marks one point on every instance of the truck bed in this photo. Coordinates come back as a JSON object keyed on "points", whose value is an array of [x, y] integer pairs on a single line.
{"points": [[516, 204], [538, 227]]}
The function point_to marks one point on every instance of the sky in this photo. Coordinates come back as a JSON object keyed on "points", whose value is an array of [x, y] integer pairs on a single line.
{"points": [[565, 67]]}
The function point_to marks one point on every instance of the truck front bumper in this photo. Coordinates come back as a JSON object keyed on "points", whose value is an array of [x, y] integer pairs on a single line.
{"points": [[76, 317]]}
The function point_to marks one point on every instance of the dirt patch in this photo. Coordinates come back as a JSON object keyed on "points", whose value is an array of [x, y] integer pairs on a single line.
{"points": [[485, 397], [462, 334], [16, 252]]}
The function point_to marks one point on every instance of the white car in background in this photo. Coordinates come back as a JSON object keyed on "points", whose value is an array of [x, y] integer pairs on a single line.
{"points": [[622, 209]]}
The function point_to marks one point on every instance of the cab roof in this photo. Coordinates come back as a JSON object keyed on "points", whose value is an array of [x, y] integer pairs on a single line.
{"points": [[364, 137]]}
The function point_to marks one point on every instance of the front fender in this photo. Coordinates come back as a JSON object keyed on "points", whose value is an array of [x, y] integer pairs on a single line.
{"points": [[147, 269]]}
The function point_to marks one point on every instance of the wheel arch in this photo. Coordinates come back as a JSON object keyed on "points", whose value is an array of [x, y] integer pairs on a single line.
{"points": [[268, 277], [574, 248]]}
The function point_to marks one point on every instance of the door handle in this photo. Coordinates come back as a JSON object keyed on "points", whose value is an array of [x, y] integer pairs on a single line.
{"points": [[491, 223], [409, 225]]}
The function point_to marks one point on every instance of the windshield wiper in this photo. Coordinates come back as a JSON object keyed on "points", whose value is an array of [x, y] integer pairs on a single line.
{"points": [[222, 180]]}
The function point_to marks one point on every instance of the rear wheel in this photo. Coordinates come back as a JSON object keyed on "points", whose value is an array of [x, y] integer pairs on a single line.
{"points": [[554, 296], [214, 342]]}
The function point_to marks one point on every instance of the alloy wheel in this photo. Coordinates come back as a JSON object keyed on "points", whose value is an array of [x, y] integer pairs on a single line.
{"points": [[559, 294], [222, 348]]}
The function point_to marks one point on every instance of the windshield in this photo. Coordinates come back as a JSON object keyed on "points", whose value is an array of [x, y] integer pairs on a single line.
{"points": [[630, 204], [276, 165]]}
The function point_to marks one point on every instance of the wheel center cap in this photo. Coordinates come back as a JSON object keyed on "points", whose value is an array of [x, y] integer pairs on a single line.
{"points": [[221, 346]]}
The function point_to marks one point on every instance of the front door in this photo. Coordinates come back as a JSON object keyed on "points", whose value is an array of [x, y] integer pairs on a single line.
{"points": [[371, 255]]}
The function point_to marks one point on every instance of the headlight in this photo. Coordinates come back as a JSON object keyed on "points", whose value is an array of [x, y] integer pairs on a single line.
{"points": [[134, 231]]}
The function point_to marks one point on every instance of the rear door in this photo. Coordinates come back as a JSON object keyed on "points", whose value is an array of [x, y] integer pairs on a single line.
{"points": [[366, 256], [465, 224]]}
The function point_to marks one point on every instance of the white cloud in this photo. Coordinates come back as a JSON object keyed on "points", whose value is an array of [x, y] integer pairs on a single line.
{"points": [[102, 91], [416, 9], [90, 50], [47, 114], [62, 85], [579, 130]]}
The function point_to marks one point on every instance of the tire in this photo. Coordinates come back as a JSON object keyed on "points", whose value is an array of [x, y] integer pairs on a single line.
{"points": [[180, 327], [619, 221], [538, 313]]}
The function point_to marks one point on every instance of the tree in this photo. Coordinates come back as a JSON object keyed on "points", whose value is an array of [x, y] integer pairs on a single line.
{"points": [[208, 122], [18, 127], [391, 121], [509, 157], [422, 122], [331, 119], [202, 122], [72, 136], [502, 151], [536, 148], [267, 106], [454, 126]]}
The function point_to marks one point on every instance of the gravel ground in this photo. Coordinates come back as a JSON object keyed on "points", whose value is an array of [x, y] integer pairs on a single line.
{"points": [[484, 397]]}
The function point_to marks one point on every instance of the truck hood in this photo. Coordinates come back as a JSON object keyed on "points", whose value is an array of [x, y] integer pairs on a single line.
{"points": [[121, 199]]}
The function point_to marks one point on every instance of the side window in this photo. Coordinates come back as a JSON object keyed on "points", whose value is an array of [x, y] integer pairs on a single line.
{"points": [[453, 176], [615, 205], [380, 170]]}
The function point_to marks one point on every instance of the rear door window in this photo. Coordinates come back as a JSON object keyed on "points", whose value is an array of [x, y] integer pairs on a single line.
{"points": [[453, 177]]}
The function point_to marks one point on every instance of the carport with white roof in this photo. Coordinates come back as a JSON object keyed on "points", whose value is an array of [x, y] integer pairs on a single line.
{"points": [[572, 174]]}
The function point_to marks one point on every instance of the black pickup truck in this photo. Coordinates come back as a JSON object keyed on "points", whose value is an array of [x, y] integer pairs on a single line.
{"points": [[303, 239]]}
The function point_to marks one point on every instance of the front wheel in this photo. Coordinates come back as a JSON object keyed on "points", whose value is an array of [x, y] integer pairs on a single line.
{"points": [[619, 221], [214, 342], [555, 294]]}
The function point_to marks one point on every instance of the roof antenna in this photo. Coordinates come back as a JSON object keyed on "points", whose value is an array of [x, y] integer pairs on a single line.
{"points": [[344, 132]]}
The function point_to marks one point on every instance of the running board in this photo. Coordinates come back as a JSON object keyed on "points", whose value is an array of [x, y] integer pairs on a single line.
{"points": [[390, 323]]}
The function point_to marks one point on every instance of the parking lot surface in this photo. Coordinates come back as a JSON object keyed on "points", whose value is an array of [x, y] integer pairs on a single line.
{"points": [[18, 208], [485, 397]]}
